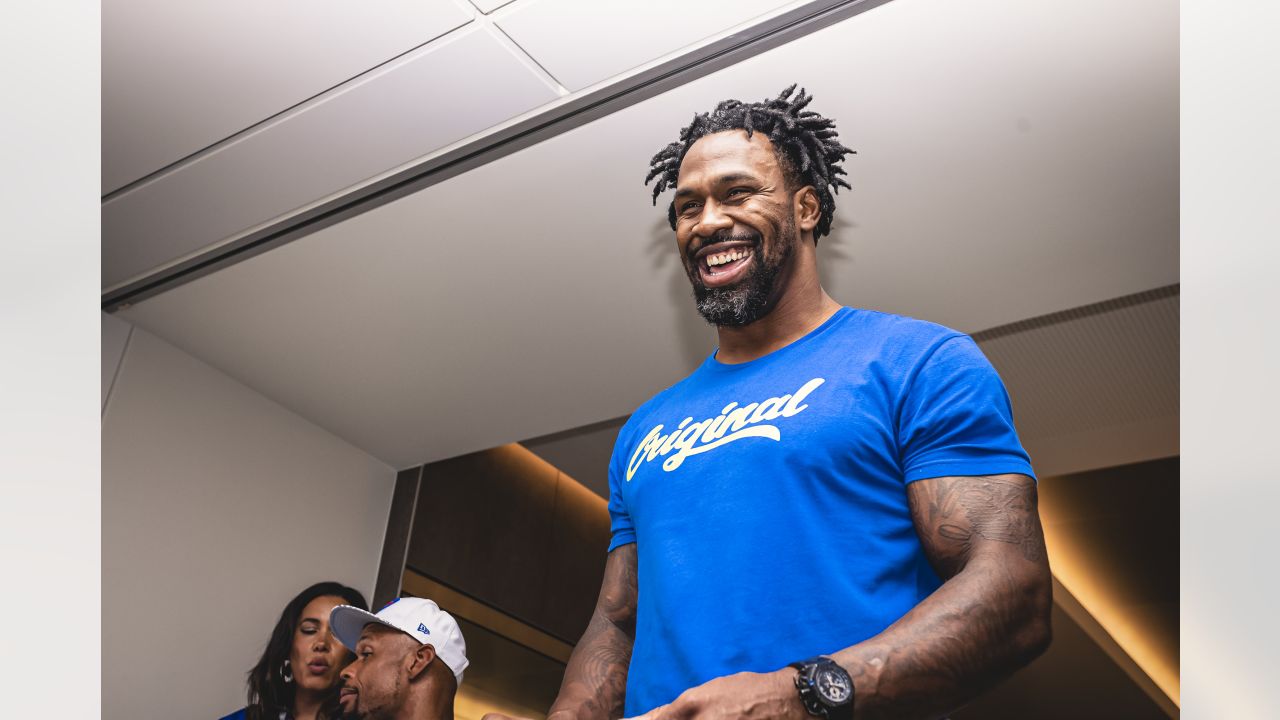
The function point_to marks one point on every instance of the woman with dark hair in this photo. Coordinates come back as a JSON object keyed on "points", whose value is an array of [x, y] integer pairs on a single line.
{"points": [[297, 677]]}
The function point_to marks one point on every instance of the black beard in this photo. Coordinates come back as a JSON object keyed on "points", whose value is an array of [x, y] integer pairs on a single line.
{"points": [[748, 300]]}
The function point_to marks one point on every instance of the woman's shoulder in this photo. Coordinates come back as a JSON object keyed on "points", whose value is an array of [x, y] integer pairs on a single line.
{"points": [[240, 715]]}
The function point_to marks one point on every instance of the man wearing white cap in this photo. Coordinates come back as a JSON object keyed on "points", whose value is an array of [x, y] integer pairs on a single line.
{"points": [[409, 661]]}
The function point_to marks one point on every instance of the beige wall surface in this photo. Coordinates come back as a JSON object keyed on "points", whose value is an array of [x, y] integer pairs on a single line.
{"points": [[218, 505]]}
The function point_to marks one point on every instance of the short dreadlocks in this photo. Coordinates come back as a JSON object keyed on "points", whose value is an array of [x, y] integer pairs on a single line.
{"points": [[804, 141]]}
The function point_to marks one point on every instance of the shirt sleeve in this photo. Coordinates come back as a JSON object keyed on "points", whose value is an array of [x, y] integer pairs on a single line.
{"points": [[619, 517], [956, 418]]}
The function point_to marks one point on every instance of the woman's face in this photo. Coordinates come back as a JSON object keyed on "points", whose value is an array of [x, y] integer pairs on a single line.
{"points": [[316, 657]]}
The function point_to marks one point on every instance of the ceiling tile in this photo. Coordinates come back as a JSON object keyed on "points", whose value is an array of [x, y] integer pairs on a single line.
{"points": [[461, 85], [178, 77], [581, 43]]}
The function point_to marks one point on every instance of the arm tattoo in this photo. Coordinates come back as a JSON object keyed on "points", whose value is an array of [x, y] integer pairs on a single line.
{"points": [[595, 681], [953, 515], [991, 615]]}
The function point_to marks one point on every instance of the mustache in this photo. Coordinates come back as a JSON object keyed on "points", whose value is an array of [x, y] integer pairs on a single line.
{"points": [[726, 235]]}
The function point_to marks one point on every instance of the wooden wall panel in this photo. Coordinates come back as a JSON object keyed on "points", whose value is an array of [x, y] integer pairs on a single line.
{"points": [[579, 539], [511, 531]]}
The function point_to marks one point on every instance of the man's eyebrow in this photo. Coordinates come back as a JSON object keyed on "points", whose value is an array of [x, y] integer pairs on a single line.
{"points": [[722, 180]]}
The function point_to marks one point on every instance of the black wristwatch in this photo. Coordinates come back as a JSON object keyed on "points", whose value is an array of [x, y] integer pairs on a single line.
{"points": [[826, 690]]}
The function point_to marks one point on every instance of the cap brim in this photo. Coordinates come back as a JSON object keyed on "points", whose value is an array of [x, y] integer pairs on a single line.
{"points": [[348, 622]]}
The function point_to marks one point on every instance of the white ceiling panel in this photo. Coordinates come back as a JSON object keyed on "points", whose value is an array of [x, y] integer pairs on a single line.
{"points": [[447, 91], [1015, 159], [581, 43], [178, 77]]}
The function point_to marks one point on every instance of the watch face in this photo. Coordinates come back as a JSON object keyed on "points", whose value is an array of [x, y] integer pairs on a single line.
{"points": [[833, 686]]}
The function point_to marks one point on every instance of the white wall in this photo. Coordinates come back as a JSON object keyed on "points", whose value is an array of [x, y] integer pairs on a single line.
{"points": [[115, 338], [218, 505]]}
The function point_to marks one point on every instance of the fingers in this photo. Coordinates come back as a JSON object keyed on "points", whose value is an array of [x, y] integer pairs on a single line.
{"points": [[661, 712]]}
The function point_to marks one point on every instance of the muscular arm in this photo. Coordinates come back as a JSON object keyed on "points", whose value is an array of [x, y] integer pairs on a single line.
{"points": [[990, 616], [595, 680]]}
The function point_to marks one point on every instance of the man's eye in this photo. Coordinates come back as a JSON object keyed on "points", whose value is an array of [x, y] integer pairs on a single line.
{"points": [[737, 191], [687, 208]]}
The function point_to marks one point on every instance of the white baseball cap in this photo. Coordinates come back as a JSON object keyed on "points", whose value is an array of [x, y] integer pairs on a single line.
{"points": [[419, 618]]}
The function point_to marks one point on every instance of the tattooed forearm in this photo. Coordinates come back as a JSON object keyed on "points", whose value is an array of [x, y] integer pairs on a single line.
{"points": [[952, 647], [595, 681], [989, 618]]}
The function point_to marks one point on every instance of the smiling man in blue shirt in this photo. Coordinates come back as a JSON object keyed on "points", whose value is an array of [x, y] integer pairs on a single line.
{"points": [[833, 515]]}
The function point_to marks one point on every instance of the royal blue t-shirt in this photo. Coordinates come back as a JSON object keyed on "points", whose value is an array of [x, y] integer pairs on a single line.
{"points": [[767, 499]]}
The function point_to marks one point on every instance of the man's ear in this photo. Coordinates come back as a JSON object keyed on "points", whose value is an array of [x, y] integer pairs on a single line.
{"points": [[421, 659], [807, 208]]}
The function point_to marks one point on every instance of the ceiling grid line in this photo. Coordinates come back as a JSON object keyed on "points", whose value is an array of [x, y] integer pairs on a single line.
{"points": [[288, 112], [516, 48]]}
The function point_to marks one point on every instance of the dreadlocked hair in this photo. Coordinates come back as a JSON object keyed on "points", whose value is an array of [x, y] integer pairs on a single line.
{"points": [[804, 141]]}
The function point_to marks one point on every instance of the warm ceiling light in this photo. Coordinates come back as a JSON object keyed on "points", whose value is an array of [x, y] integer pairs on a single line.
{"points": [[1072, 568], [472, 704]]}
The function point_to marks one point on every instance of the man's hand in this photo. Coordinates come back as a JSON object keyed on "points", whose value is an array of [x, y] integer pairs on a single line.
{"points": [[745, 695]]}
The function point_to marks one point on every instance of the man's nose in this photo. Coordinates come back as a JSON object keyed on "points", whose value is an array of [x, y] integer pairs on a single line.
{"points": [[711, 220]]}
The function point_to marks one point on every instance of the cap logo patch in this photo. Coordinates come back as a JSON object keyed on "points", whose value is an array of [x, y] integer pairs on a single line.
{"points": [[423, 629]]}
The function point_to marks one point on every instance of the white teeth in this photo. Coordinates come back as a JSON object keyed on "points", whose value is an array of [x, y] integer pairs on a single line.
{"points": [[725, 257]]}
